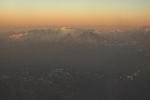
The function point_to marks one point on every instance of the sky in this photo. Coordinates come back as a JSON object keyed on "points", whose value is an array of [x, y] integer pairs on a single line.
{"points": [[74, 12]]}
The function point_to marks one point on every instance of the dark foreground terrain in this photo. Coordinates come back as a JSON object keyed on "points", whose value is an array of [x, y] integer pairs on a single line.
{"points": [[75, 64]]}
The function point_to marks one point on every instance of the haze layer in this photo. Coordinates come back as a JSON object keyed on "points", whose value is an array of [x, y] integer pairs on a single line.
{"points": [[74, 12]]}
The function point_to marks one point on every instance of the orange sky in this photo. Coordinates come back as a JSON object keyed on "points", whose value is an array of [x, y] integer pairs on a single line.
{"points": [[75, 13]]}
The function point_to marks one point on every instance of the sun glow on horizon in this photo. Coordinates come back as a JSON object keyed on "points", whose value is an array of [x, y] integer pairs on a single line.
{"points": [[71, 12]]}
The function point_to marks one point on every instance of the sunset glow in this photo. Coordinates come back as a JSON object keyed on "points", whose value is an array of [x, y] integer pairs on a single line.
{"points": [[74, 12]]}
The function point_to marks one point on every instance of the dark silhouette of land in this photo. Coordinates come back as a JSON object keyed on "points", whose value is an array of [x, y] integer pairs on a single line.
{"points": [[75, 64]]}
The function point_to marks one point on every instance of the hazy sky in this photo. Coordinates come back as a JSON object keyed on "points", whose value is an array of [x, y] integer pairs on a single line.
{"points": [[86, 12]]}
